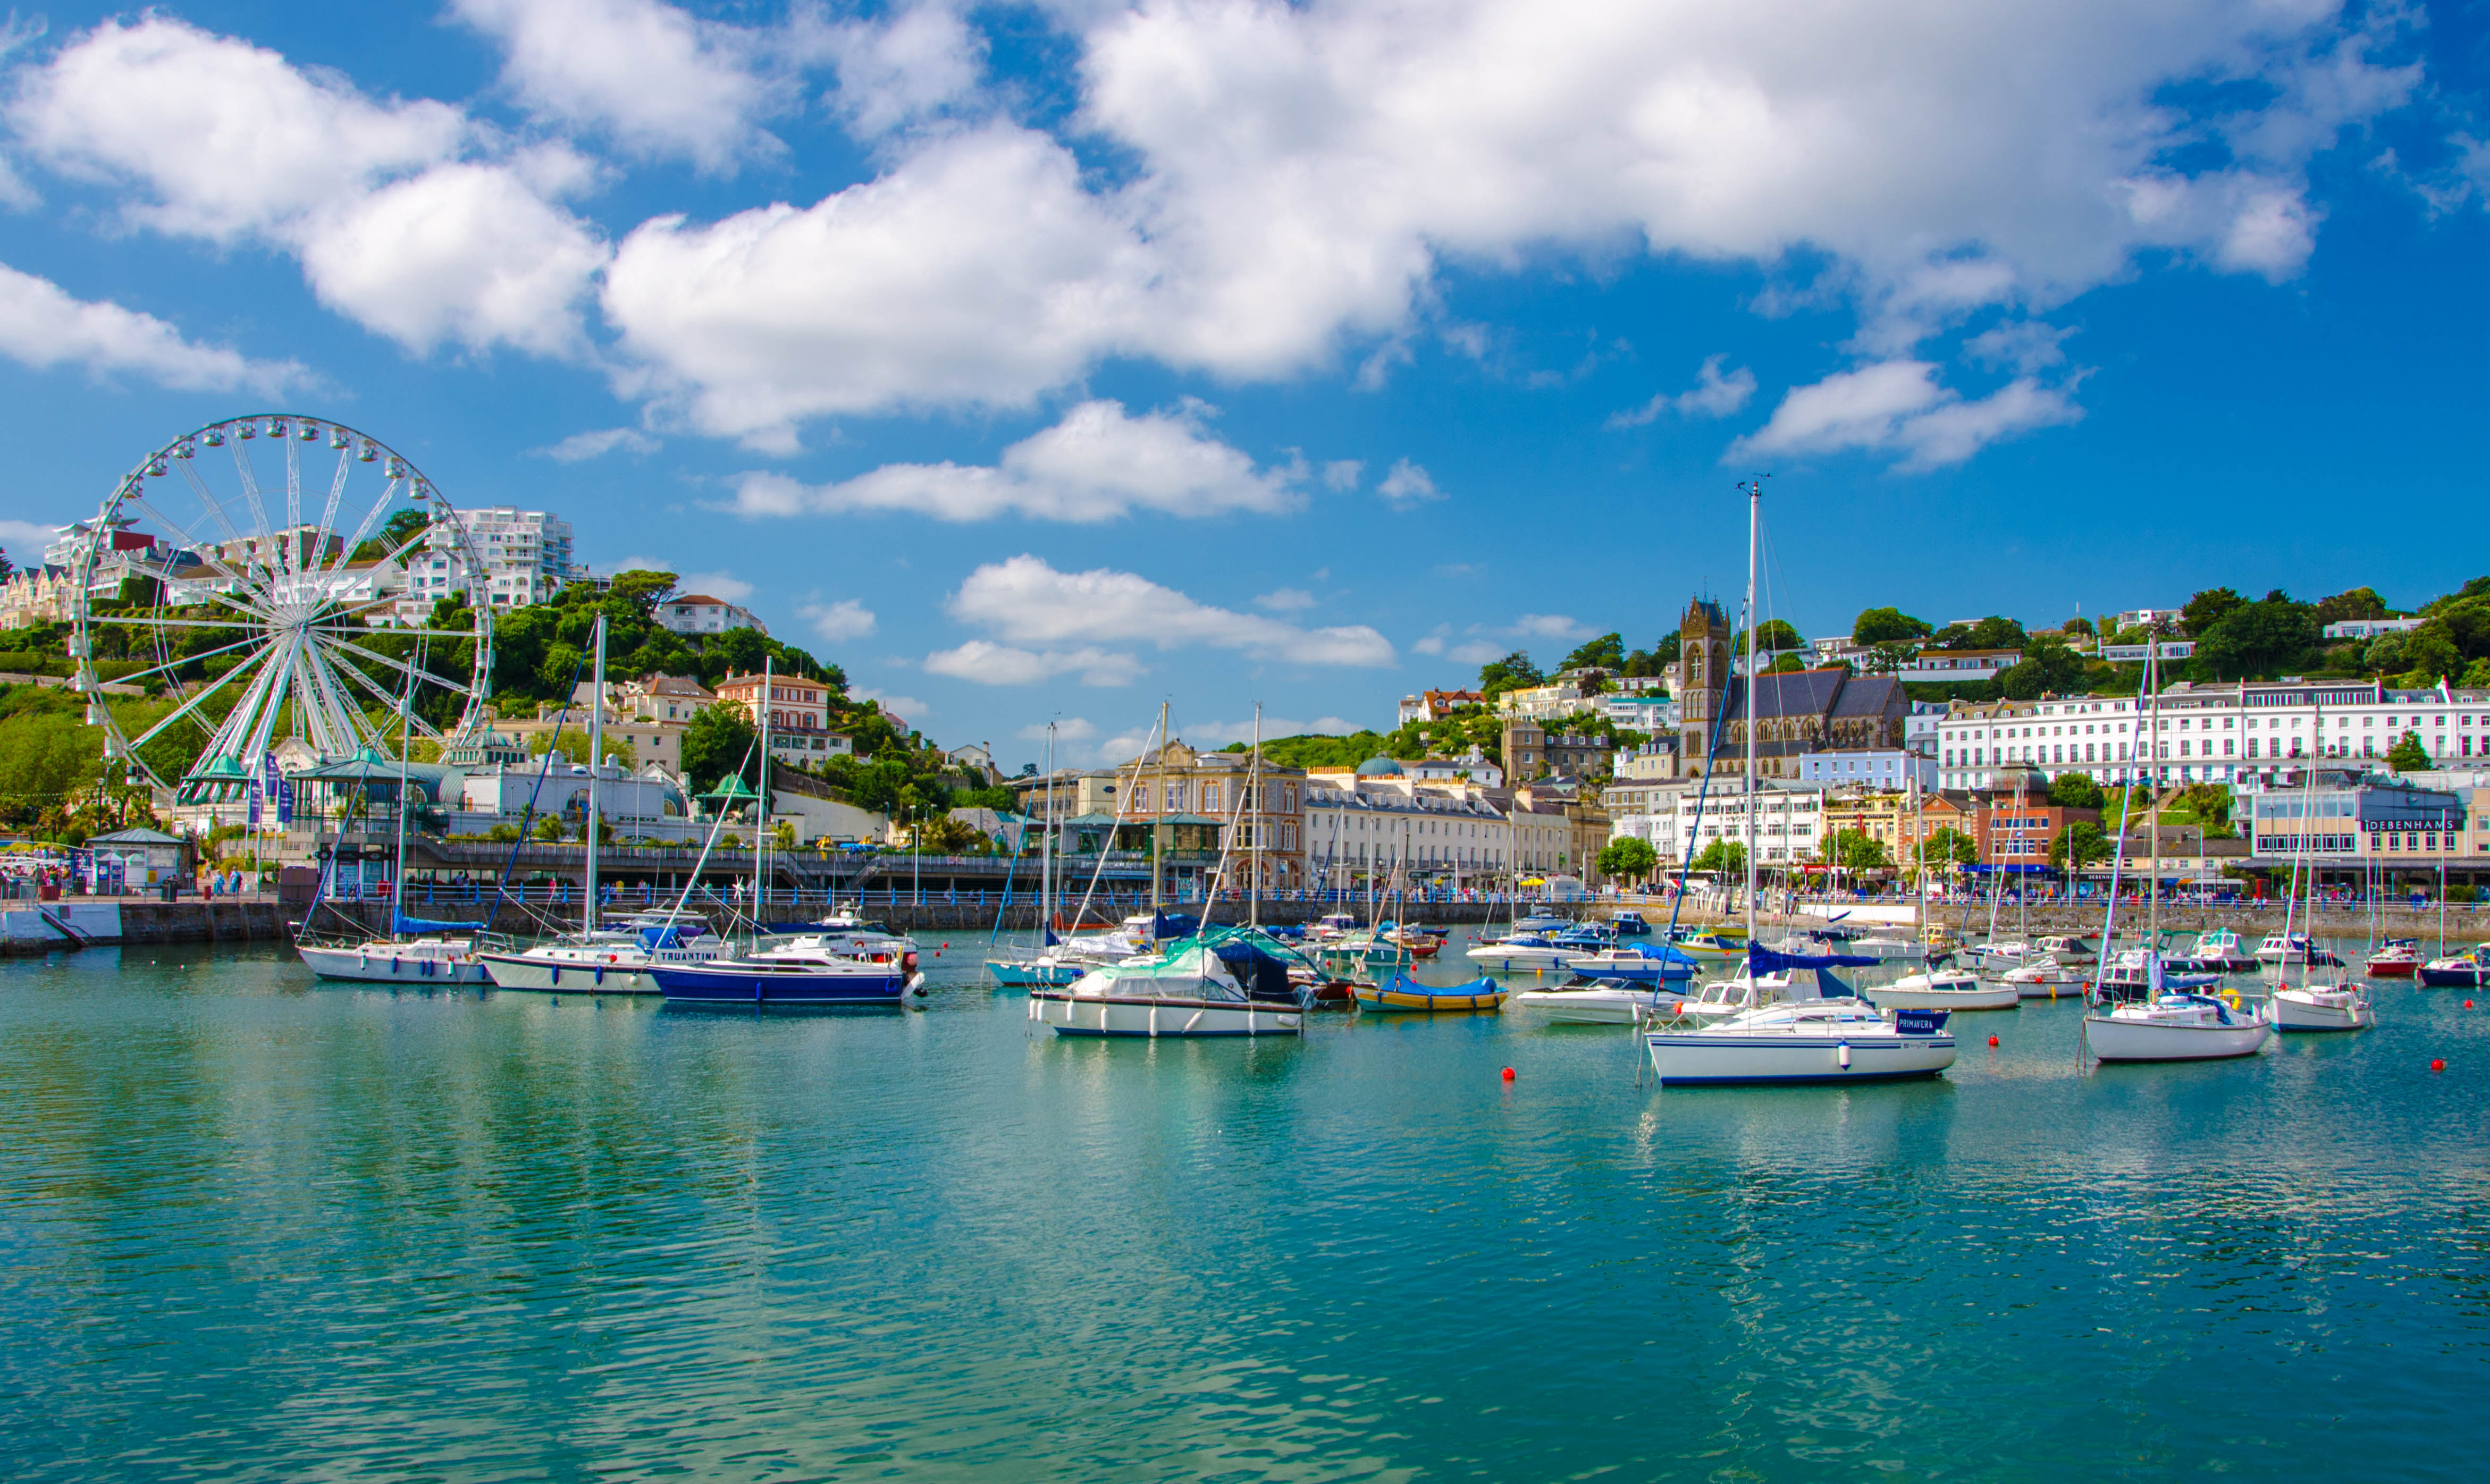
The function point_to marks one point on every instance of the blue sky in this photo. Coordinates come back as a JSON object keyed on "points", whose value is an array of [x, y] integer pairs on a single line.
{"points": [[1046, 361]]}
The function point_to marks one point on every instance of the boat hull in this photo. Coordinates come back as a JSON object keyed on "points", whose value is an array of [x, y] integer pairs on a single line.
{"points": [[1401, 1001], [1715, 1058], [2048, 989], [1154, 1017], [2392, 969], [2140, 1041], [1977, 997], [1034, 975], [517, 971], [1522, 960], [2295, 1011], [727, 985], [1587, 1006], [357, 966], [2435, 977]]}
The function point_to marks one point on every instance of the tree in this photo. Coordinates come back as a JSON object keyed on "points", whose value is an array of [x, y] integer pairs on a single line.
{"points": [[1722, 858], [1892, 655], [1990, 633], [2078, 625], [715, 746], [2207, 609], [2078, 845], [1853, 849], [8, 569], [1627, 859], [2356, 603], [2408, 755], [1655, 660], [2047, 665], [1887, 626], [573, 746], [1786, 663], [1607, 651], [399, 529], [642, 591], [1949, 847], [1514, 672], [2263, 638], [2074, 791], [1771, 636]]}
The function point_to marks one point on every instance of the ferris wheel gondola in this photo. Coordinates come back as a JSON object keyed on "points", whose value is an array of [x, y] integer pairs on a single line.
{"points": [[266, 620]]}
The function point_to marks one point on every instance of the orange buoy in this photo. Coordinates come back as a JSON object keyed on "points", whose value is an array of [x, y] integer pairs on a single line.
{"points": [[2437, 1063], [1992, 1040], [1507, 1074]]}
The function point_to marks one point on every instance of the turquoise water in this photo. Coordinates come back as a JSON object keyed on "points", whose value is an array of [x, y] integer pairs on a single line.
{"points": [[251, 1228]]}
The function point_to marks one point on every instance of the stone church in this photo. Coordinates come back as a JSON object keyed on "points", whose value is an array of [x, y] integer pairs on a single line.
{"points": [[1794, 713]]}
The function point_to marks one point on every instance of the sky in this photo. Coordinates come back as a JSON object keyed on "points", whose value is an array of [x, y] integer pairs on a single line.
{"points": [[1044, 362]]}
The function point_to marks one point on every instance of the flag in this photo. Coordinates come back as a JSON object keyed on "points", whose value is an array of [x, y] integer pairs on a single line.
{"points": [[254, 804]]}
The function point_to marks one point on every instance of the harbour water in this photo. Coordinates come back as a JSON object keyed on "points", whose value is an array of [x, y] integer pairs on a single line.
{"points": [[253, 1228]]}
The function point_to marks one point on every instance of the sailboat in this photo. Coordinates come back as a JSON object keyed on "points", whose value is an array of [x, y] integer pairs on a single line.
{"points": [[2137, 1015], [1931, 986], [1834, 1036], [415, 950], [2342, 1004]]}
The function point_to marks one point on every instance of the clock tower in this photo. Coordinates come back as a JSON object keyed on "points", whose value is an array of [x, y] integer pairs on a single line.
{"points": [[1702, 661]]}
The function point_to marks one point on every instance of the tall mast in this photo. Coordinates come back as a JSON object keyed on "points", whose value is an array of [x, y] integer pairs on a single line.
{"points": [[2153, 797], [1754, 704], [595, 760], [1046, 848], [1158, 819], [1253, 820], [760, 807]]}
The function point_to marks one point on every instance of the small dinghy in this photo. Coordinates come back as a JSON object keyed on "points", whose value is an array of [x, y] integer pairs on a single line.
{"points": [[1400, 991]]}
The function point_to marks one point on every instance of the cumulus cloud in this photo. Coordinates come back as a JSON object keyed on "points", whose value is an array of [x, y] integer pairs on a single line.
{"points": [[1286, 599], [1051, 623], [1408, 485], [1474, 653], [1898, 406], [1342, 474], [726, 585], [1714, 396], [1098, 463], [846, 619], [26, 538], [1551, 626], [902, 69], [396, 226], [42, 326], [661, 82], [579, 448]]}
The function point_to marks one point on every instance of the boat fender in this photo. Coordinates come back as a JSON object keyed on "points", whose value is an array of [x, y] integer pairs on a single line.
{"points": [[557, 974], [1843, 1056], [597, 975]]}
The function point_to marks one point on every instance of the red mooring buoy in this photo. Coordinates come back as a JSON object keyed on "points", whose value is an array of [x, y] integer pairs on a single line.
{"points": [[1507, 1074], [2437, 1063], [1992, 1040], [2468, 1004]]}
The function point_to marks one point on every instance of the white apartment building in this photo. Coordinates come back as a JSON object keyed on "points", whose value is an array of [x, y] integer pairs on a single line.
{"points": [[1789, 818], [698, 613], [2240, 733], [1884, 769], [2369, 629], [1364, 827], [525, 556]]}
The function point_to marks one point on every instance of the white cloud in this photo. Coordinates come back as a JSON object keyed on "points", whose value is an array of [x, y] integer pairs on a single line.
{"points": [[846, 619], [1408, 485], [1432, 644], [905, 705], [1897, 405], [989, 663], [1098, 463], [659, 81], [1551, 626], [2025, 344], [903, 69], [1475, 653], [1066, 729], [579, 448], [1341, 473], [1714, 396], [1027, 601], [40, 326], [228, 142], [726, 585], [978, 271], [27, 540], [1286, 599]]}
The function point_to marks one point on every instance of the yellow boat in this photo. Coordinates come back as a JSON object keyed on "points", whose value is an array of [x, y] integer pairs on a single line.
{"points": [[1712, 946], [1401, 992]]}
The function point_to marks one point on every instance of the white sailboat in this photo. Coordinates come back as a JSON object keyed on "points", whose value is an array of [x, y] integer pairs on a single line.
{"points": [[1946, 989], [2340, 1003], [2137, 1016], [1755, 1033]]}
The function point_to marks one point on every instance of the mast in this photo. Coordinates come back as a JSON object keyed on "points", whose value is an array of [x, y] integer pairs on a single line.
{"points": [[2300, 859], [595, 760], [1158, 822], [405, 736], [1755, 707], [760, 806], [1046, 848], [1919, 862], [2152, 799], [1253, 821]]}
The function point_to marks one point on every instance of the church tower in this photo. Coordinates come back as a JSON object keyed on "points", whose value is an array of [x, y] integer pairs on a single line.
{"points": [[1702, 660]]}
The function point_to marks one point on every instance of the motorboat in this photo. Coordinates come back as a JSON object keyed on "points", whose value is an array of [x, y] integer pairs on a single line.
{"points": [[802, 972], [604, 962], [2177, 1026], [1334, 925], [2219, 950], [1628, 924], [1946, 989], [2467, 969], [2338, 1007], [2066, 948], [1223, 981], [2295, 949], [1523, 952], [1888, 946], [2137, 970], [1717, 947], [1401, 992], [2046, 981], [845, 932], [1542, 922], [2398, 958], [1601, 1001], [1639, 962], [2005, 955], [424, 960], [1817, 1040], [1588, 937]]}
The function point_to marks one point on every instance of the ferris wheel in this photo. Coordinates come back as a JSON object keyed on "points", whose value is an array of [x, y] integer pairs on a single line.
{"points": [[273, 574]]}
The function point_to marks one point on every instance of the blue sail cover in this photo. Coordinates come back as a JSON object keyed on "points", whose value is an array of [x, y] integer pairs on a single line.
{"points": [[1762, 960], [400, 924]]}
